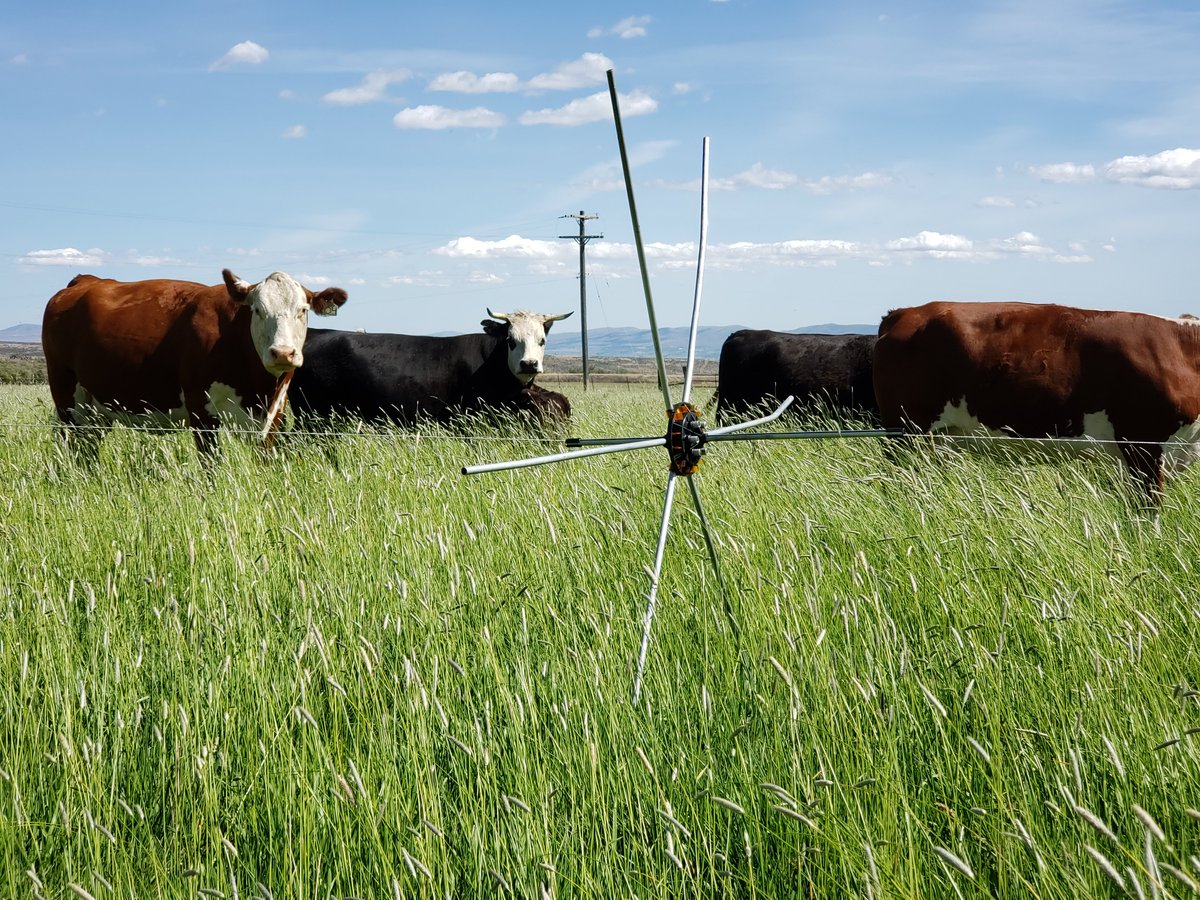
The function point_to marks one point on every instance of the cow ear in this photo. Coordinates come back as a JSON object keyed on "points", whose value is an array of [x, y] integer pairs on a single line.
{"points": [[238, 289], [495, 329], [328, 301]]}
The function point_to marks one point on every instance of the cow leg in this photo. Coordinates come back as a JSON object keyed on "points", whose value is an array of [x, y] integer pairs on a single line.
{"points": [[203, 424], [1145, 465], [79, 428]]}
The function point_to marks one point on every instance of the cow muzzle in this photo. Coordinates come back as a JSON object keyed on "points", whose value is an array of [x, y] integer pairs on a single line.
{"points": [[283, 359]]}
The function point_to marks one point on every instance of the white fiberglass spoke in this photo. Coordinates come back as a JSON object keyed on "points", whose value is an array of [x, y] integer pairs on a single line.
{"points": [[741, 426], [708, 539], [650, 600], [691, 350], [639, 444]]}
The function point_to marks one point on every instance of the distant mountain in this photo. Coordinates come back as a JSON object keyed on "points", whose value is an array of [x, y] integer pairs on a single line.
{"points": [[638, 342], [25, 334]]}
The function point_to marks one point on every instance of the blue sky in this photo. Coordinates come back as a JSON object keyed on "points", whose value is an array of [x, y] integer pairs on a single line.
{"points": [[864, 156]]}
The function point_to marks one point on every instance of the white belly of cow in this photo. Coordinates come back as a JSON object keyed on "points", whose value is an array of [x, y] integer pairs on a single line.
{"points": [[226, 404], [223, 402], [1179, 451], [90, 411], [1098, 433]]}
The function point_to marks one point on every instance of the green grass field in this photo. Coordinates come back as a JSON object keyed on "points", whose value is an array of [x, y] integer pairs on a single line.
{"points": [[348, 671]]}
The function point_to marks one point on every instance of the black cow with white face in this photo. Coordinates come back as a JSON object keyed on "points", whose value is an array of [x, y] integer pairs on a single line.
{"points": [[402, 378]]}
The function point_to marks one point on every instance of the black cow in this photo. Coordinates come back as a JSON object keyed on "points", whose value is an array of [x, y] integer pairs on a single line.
{"points": [[401, 377], [759, 366]]}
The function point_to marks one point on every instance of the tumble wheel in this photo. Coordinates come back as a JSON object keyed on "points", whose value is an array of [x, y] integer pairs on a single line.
{"points": [[685, 439]]}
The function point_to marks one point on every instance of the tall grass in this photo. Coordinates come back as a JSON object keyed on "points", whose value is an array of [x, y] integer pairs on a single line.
{"points": [[346, 670]]}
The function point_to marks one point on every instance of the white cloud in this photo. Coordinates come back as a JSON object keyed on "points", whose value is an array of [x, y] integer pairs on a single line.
{"points": [[589, 69], [827, 184], [66, 256], [420, 279], [247, 53], [997, 202], [616, 258], [596, 108], [295, 132], [372, 89], [470, 83], [935, 244], [788, 253], [1023, 243], [19, 60], [1178, 169], [1064, 173], [630, 27], [153, 261], [759, 176], [287, 94], [584, 72], [681, 87], [513, 246], [438, 118]]}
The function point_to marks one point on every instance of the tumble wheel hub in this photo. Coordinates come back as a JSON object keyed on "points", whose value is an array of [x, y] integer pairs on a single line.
{"points": [[685, 439]]}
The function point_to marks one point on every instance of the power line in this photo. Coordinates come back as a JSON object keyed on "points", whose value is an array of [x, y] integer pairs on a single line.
{"points": [[498, 231]]}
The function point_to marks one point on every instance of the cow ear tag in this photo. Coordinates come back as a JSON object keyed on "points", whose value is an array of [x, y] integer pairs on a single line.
{"points": [[327, 302]]}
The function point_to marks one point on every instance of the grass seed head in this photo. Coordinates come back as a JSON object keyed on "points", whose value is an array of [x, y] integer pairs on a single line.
{"points": [[955, 862], [1108, 868]]}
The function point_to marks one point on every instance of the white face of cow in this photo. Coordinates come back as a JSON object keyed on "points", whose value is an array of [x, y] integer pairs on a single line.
{"points": [[279, 308], [526, 341]]}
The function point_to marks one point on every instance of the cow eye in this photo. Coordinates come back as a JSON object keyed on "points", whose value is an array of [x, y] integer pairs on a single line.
{"points": [[512, 343], [302, 312]]}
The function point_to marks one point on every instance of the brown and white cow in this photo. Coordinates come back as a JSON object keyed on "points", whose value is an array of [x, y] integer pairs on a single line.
{"points": [[1129, 381], [175, 351]]}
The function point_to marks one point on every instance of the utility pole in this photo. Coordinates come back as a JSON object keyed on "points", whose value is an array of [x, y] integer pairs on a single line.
{"points": [[582, 240]]}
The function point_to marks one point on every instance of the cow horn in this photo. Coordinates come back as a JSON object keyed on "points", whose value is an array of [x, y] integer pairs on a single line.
{"points": [[503, 317], [549, 319]]}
